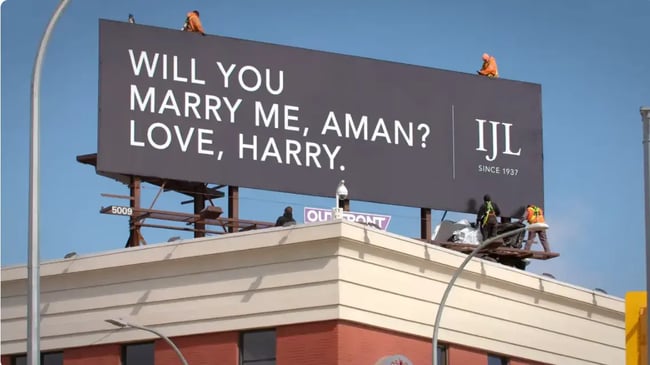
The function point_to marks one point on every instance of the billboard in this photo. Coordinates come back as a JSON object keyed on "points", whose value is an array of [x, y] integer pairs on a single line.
{"points": [[228, 111]]}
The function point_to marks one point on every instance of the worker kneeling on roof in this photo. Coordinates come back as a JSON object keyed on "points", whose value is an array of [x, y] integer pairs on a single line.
{"points": [[193, 23], [489, 67]]}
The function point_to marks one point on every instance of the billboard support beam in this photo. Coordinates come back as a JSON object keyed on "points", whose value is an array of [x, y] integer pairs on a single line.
{"points": [[134, 228], [199, 226], [425, 224], [233, 207]]}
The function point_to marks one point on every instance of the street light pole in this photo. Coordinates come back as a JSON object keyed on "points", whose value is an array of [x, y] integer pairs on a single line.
{"points": [[33, 259], [459, 270], [123, 324], [645, 117]]}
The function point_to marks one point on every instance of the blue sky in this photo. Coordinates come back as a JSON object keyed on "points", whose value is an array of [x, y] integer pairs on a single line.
{"points": [[591, 58]]}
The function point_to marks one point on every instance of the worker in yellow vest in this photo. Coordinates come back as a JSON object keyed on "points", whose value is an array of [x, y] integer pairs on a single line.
{"points": [[535, 214], [486, 218]]}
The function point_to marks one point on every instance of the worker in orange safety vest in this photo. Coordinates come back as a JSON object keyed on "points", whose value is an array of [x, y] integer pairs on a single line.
{"points": [[535, 214], [193, 23], [489, 67]]}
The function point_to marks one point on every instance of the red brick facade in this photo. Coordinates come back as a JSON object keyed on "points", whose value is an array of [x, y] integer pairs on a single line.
{"points": [[307, 343], [466, 355], [359, 344], [96, 355], [318, 343], [206, 349]]}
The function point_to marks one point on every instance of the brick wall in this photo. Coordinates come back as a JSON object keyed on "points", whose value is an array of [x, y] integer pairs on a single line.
{"points": [[348, 343], [307, 343], [318, 343], [465, 355], [360, 344], [96, 355], [203, 349]]}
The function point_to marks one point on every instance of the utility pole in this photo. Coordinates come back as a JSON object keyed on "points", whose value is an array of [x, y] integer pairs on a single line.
{"points": [[645, 117]]}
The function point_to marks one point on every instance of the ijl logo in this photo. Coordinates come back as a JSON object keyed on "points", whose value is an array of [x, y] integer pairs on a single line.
{"points": [[495, 133]]}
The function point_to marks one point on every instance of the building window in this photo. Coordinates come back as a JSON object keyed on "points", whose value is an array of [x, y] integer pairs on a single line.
{"points": [[442, 355], [52, 358], [47, 358], [497, 360], [19, 360], [257, 348], [138, 353]]}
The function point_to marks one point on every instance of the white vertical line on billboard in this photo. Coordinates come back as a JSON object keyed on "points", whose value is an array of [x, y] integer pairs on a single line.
{"points": [[453, 143]]}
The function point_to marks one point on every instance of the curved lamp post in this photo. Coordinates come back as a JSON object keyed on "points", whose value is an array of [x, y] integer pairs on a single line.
{"points": [[123, 324], [33, 255], [480, 247]]}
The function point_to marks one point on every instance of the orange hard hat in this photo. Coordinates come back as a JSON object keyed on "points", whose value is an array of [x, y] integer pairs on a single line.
{"points": [[486, 56]]}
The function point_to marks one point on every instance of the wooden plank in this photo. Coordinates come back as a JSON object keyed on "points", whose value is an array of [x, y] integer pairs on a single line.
{"points": [[499, 251]]}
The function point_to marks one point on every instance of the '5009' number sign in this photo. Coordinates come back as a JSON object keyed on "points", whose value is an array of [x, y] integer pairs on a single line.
{"points": [[118, 210]]}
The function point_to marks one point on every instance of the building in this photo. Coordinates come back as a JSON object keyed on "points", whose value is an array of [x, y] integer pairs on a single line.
{"points": [[325, 293]]}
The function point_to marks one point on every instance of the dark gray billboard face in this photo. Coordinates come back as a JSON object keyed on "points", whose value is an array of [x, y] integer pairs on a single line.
{"points": [[227, 111]]}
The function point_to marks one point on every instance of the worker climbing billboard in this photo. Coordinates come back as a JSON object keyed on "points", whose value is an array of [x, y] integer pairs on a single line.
{"points": [[236, 112]]}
